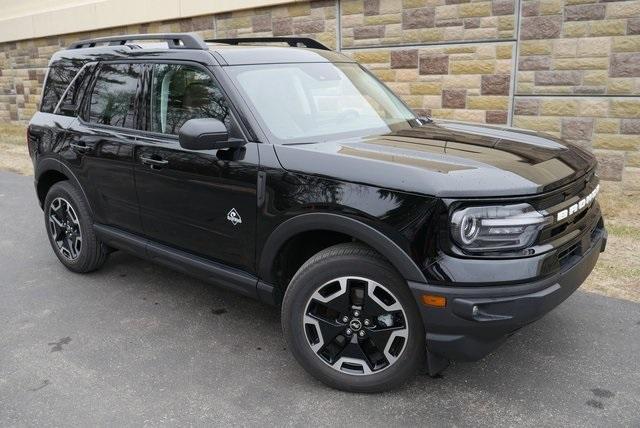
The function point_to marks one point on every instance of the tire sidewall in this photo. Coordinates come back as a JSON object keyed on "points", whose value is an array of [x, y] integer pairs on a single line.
{"points": [[307, 281]]}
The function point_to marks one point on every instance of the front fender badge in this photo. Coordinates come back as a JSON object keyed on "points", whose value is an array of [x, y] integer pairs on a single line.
{"points": [[234, 217]]}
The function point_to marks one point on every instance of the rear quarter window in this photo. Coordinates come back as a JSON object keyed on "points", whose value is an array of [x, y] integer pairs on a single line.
{"points": [[76, 91], [57, 81]]}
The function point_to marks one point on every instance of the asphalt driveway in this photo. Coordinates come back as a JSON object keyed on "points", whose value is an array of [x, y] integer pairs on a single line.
{"points": [[135, 343]]}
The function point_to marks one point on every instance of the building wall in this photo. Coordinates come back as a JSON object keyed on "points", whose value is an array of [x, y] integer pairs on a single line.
{"points": [[567, 67], [27, 19]]}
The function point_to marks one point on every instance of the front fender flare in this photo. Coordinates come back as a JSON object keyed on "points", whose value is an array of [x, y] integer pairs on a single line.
{"points": [[342, 224]]}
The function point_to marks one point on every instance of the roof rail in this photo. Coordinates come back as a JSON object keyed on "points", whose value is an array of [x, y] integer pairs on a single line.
{"points": [[291, 41], [174, 40]]}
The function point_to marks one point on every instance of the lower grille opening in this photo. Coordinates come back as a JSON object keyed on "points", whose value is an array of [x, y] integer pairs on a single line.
{"points": [[565, 255]]}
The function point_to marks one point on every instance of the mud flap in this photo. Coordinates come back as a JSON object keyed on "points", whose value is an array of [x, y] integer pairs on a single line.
{"points": [[434, 364]]}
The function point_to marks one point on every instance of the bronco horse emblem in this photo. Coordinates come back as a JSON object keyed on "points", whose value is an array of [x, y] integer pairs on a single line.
{"points": [[234, 217]]}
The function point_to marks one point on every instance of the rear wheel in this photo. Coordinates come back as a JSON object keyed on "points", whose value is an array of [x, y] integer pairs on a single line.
{"points": [[351, 321], [70, 229]]}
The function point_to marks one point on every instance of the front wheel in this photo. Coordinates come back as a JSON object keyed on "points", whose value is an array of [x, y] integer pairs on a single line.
{"points": [[351, 321]]}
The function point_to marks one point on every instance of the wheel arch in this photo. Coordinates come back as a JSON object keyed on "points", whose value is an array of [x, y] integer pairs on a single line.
{"points": [[51, 171], [340, 224]]}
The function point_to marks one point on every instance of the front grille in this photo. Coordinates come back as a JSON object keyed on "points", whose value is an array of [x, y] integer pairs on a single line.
{"points": [[561, 195], [560, 233], [562, 228]]}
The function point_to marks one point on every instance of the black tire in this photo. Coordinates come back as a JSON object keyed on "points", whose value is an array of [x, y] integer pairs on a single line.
{"points": [[91, 253], [351, 260]]}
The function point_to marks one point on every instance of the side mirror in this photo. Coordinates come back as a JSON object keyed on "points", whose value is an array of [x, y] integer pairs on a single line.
{"points": [[206, 134]]}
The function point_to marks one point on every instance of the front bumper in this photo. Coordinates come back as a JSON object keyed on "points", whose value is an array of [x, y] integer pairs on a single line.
{"points": [[459, 332]]}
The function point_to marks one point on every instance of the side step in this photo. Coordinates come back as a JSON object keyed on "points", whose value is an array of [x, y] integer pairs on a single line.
{"points": [[208, 270]]}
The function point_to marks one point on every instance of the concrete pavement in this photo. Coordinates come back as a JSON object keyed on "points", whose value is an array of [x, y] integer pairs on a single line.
{"points": [[135, 343]]}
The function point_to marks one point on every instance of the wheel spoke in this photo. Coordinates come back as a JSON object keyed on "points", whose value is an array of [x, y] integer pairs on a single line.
{"points": [[355, 325], [353, 351], [329, 330], [56, 220], [379, 302], [64, 228], [71, 214], [372, 309], [77, 243], [352, 356], [55, 228], [333, 295], [380, 337]]}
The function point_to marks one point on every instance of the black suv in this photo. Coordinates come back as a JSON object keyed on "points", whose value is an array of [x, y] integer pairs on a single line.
{"points": [[285, 171]]}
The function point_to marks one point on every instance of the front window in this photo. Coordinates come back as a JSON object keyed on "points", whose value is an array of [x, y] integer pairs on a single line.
{"points": [[180, 93], [312, 102]]}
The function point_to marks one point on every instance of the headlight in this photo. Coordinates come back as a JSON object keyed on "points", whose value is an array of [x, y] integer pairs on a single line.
{"points": [[496, 228]]}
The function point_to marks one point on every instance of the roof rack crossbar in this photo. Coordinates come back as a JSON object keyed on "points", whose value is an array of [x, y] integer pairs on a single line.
{"points": [[174, 40], [291, 41]]}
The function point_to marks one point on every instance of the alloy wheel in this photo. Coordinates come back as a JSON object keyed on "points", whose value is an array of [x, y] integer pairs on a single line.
{"points": [[64, 227], [355, 325]]}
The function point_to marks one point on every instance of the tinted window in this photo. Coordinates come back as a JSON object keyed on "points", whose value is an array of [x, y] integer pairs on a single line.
{"points": [[57, 81], [180, 93], [76, 89], [113, 101]]}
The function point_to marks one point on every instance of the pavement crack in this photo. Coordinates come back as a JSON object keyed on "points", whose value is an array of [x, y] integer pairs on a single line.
{"points": [[603, 393], [595, 404], [45, 382], [57, 346]]}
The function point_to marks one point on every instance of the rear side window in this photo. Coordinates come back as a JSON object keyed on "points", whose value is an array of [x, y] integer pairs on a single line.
{"points": [[57, 81], [74, 94], [115, 95], [181, 92]]}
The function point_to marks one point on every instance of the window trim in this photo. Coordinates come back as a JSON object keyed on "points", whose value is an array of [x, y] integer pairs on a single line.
{"points": [[196, 66], [86, 101], [145, 99]]}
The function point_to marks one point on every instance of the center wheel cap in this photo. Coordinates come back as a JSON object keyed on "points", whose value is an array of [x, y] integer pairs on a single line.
{"points": [[355, 324]]}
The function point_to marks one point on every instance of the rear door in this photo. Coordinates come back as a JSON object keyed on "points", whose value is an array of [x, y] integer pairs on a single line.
{"points": [[104, 140], [202, 202]]}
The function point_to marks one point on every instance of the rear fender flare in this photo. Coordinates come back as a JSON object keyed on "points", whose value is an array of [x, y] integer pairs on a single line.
{"points": [[52, 164]]}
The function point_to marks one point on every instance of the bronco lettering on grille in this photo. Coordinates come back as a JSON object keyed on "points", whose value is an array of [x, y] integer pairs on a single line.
{"points": [[578, 206]]}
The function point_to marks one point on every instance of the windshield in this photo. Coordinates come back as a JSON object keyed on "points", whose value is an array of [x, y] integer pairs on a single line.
{"points": [[313, 102]]}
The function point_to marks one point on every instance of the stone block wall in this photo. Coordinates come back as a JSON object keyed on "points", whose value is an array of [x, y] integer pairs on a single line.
{"points": [[316, 19], [393, 22], [468, 82], [570, 68]]}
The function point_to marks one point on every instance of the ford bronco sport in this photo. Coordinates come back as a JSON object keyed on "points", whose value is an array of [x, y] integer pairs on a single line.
{"points": [[285, 171]]}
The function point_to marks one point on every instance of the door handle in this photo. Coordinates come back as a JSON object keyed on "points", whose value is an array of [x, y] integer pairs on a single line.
{"points": [[80, 147], [153, 162]]}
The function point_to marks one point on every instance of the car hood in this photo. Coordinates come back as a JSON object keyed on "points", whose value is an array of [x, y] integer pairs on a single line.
{"points": [[446, 159]]}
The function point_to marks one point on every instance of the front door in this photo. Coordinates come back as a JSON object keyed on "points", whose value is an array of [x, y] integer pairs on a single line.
{"points": [[202, 202]]}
